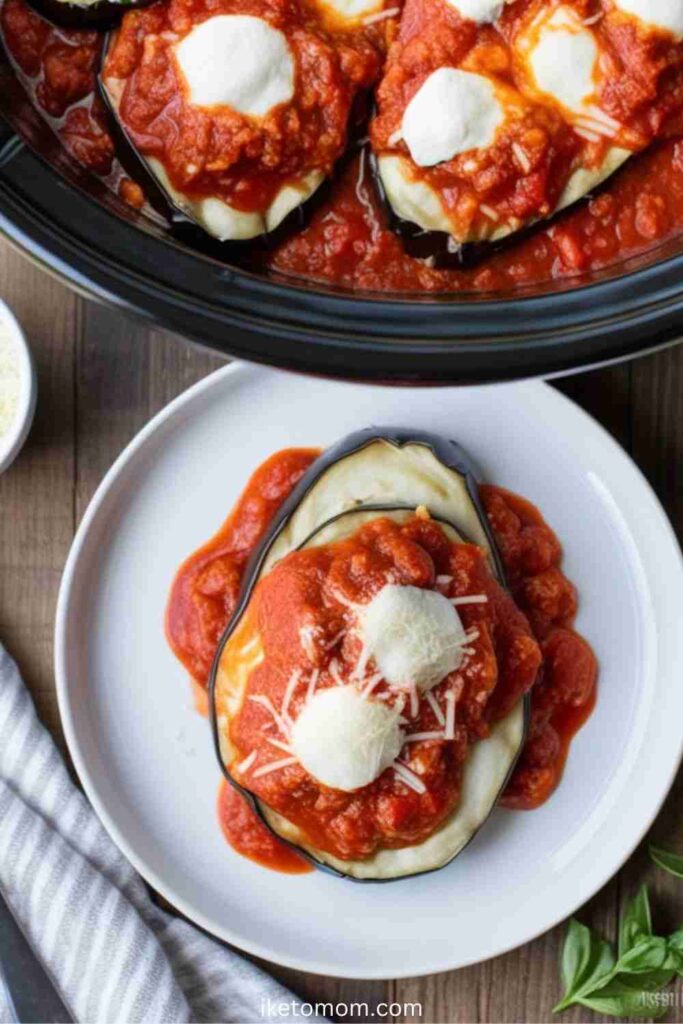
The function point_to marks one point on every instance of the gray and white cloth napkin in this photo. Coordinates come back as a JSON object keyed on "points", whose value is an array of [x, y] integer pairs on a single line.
{"points": [[114, 954]]}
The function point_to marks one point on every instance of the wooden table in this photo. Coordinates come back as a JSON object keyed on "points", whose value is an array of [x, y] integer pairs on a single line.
{"points": [[101, 377]]}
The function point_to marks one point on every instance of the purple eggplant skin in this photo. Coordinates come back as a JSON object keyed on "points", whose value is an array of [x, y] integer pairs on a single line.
{"points": [[451, 454], [100, 14]]}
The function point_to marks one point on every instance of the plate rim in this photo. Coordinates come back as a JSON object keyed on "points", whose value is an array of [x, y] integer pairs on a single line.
{"points": [[216, 930]]}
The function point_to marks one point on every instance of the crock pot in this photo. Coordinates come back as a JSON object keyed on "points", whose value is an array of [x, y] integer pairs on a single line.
{"points": [[72, 225]]}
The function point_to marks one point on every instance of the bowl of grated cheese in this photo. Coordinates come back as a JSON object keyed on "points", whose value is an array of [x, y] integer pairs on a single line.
{"points": [[17, 387]]}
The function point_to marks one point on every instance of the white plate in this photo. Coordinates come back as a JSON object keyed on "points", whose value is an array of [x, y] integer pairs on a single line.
{"points": [[146, 760]]}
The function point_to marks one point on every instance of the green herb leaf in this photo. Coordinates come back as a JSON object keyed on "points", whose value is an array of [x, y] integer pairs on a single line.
{"points": [[630, 997], [636, 923], [586, 961], [650, 954], [675, 945], [671, 862]]}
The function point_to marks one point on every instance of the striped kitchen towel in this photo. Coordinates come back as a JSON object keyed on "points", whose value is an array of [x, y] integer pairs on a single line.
{"points": [[114, 954]]}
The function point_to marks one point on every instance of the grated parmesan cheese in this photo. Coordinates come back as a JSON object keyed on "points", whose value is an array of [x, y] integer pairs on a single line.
{"points": [[10, 379]]}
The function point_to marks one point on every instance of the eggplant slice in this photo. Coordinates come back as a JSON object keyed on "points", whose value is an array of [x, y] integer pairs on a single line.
{"points": [[87, 13], [211, 215], [372, 473]]}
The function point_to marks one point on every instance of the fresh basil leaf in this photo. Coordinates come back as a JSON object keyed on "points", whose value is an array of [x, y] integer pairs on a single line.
{"points": [[649, 954], [636, 922], [675, 946], [671, 862], [587, 960], [633, 994], [626, 997]]}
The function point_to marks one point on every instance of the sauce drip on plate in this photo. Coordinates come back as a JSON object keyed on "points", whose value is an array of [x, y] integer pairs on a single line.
{"points": [[247, 834]]}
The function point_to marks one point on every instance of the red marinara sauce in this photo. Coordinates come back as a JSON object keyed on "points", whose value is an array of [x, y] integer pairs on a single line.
{"points": [[59, 69], [349, 242], [564, 694], [247, 834], [205, 590]]}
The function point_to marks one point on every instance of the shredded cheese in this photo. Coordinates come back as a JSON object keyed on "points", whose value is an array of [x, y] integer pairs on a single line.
{"points": [[253, 643], [306, 635], [436, 708], [280, 745], [489, 212], [370, 685], [449, 731], [469, 599], [419, 737], [521, 157], [289, 693], [267, 703], [274, 766], [390, 12], [584, 134], [335, 640], [312, 683], [245, 765], [334, 672], [410, 778]]}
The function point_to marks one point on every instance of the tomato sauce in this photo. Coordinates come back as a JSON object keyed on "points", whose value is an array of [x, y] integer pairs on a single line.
{"points": [[58, 68], [205, 591], [310, 590], [206, 587], [564, 694], [246, 833], [348, 241]]}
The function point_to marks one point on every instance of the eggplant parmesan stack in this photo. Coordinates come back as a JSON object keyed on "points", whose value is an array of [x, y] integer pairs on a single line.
{"points": [[240, 109], [370, 693], [494, 115]]}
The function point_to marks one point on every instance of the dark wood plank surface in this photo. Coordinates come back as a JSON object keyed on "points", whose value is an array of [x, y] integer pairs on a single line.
{"points": [[101, 377]]}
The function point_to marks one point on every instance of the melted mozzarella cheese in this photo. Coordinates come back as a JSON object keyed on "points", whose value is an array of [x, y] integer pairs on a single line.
{"points": [[237, 61], [414, 636], [483, 12], [344, 741], [452, 112], [659, 14], [564, 59]]}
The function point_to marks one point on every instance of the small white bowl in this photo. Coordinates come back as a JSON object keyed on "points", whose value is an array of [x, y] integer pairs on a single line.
{"points": [[12, 442]]}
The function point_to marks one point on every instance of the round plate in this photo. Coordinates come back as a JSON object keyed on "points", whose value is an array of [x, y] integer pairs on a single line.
{"points": [[145, 757]]}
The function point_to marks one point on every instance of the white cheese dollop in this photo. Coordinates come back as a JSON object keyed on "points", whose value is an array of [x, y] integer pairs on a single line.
{"points": [[452, 112], [237, 61], [344, 741], [564, 61], [415, 637], [483, 12], [666, 15]]}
